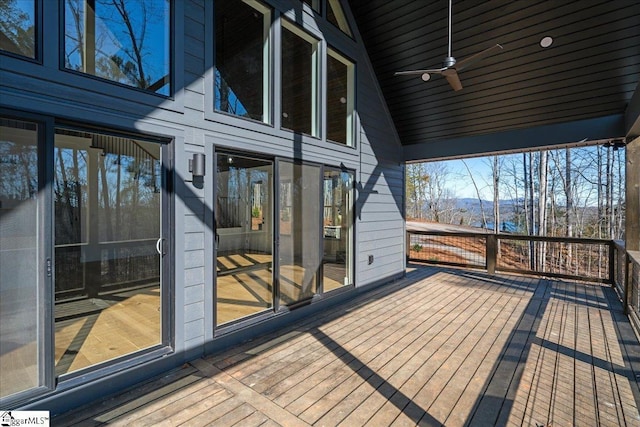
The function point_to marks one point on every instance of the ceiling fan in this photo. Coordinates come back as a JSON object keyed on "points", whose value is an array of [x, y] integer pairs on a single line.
{"points": [[451, 67]]}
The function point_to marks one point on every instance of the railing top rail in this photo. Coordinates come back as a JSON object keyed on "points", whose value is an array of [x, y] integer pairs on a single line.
{"points": [[447, 233], [514, 237], [634, 256], [619, 244]]}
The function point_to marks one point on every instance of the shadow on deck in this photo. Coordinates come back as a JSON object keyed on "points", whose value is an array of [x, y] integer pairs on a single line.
{"points": [[441, 347]]}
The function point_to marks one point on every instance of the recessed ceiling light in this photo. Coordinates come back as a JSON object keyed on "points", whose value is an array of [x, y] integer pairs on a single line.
{"points": [[426, 77], [546, 41]]}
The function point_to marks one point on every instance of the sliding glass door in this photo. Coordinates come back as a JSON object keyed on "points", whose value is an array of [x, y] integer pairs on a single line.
{"points": [[244, 236], [283, 234], [23, 337], [108, 212], [299, 231], [337, 225]]}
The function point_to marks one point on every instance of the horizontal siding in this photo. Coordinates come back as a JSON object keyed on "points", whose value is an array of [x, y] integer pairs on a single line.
{"points": [[380, 225], [189, 121]]}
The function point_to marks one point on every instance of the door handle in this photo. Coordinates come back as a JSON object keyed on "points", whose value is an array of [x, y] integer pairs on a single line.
{"points": [[159, 247]]}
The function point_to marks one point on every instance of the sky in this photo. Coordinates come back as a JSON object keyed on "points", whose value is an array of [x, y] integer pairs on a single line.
{"points": [[463, 186]]}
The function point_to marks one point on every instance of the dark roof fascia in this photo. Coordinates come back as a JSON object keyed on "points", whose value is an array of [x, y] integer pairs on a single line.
{"points": [[539, 137]]}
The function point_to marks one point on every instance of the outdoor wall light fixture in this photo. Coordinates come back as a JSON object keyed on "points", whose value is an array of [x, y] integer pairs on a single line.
{"points": [[197, 165]]}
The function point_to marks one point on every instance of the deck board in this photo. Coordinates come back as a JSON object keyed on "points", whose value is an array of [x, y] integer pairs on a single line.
{"points": [[441, 347]]}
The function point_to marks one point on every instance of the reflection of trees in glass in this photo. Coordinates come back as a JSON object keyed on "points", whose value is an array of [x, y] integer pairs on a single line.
{"points": [[128, 190], [17, 27], [240, 190], [18, 171], [121, 40], [70, 195], [107, 190], [241, 58]]}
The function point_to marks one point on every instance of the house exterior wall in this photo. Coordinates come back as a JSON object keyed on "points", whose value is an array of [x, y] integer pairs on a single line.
{"points": [[46, 92]]}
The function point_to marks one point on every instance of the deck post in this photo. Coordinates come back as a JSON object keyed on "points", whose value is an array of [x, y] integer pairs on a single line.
{"points": [[492, 246], [612, 263], [632, 220], [628, 283], [408, 245]]}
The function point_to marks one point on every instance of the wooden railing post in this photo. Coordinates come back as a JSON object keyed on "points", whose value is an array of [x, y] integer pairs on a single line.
{"points": [[628, 282], [492, 253], [408, 245], [612, 263]]}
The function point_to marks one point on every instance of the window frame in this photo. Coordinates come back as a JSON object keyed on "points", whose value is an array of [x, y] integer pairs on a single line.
{"points": [[317, 78], [351, 96]]}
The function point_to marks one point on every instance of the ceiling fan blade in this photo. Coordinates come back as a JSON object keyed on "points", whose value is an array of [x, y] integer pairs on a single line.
{"points": [[473, 58], [453, 79], [419, 72]]}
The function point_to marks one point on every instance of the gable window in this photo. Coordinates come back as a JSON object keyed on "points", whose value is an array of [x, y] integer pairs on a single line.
{"points": [[299, 80], [315, 4], [340, 98], [336, 15], [18, 27], [126, 41], [242, 59]]}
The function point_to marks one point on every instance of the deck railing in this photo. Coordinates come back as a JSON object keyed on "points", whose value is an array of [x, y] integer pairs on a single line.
{"points": [[593, 260]]}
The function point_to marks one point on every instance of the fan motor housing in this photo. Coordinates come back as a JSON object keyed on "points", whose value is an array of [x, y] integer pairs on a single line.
{"points": [[449, 61]]}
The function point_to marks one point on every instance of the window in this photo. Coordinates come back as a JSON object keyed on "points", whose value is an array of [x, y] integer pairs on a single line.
{"points": [[336, 15], [315, 4], [18, 27], [242, 59], [299, 80], [125, 41], [340, 98]]}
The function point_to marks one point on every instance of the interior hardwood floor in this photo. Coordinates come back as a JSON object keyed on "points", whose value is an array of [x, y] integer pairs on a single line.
{"points": [[245, 284], [91, 331], [95, 330]]}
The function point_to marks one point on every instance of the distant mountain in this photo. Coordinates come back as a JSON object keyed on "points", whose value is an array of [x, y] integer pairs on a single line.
{"points": [[473, 204]]}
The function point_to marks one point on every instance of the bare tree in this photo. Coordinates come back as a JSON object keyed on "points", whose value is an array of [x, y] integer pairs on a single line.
{"points": [[484, 216], [543, 172], [495, 171]]}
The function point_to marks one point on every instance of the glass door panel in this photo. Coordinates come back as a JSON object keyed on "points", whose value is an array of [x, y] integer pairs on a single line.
{"points": [[107, 210], [244, 256], [21, 296], [299, 215], [337, 229]]}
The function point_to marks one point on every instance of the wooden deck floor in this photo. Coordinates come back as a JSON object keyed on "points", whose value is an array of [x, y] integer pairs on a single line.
{"points": [[442, 347]]}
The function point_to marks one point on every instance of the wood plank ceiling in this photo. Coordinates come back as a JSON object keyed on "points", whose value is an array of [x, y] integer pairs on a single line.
{"points": [[591, 70]]}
